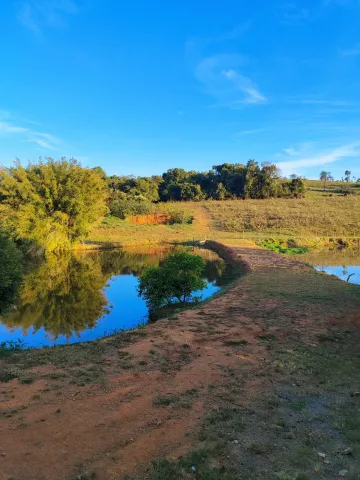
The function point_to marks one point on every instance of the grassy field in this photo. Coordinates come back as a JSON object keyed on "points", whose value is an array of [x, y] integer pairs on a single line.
{"points": [[309, 217], [311, 220], [316, 188]]}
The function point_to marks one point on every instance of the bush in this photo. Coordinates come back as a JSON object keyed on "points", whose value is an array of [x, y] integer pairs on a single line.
{"points": [[179, 216], [123, 208], [176, 279]]}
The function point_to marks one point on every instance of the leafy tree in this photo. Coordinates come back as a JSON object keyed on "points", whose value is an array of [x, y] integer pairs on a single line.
{"points": [[101, 172], [252, 189], [122, 207], [220, 192], [64, 296], [297, 187], [347, 176], [324, 177], [189, 191], [52, 203], [11, 268], [268, 180], [145, 188], [177, 278], [173, 179]]}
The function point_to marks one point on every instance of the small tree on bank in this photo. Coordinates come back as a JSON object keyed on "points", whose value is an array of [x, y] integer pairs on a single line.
{"points": [[174, 281]]}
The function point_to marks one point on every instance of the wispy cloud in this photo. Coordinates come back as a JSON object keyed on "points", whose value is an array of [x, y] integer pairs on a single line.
{"points": [[319, 158], [43, 140], [221, 79], [294, 15], [351, 52], [233, 34], [251, 132], [340, 3], [290, 151], [39, 14], [222, 74], [321, 101]]}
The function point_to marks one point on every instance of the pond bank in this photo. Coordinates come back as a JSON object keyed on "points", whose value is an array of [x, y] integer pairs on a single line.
{"points": [[230, 388]]}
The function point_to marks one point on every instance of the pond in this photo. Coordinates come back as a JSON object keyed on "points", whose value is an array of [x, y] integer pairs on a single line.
{"points": [[345, 263], [85, 296]]}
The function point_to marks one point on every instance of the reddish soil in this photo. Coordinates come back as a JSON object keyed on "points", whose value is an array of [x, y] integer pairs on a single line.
{"points": [[54, 429]]}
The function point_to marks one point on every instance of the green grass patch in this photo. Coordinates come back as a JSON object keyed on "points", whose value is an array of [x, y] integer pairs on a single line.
{"points": [[286, 247]]}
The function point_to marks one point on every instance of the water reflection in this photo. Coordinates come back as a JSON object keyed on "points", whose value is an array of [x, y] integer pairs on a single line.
{"points": [[80, 297], [345, 263]]}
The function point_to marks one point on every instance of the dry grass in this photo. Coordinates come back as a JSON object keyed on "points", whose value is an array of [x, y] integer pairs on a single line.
{"points": [[315, 188], [309, 217], [319, 215]]}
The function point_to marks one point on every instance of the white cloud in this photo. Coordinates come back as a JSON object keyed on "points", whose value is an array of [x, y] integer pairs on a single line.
{"points": [[291, 151], [6, 127], [319, 158], [221, 79], [38, 14], [351, 52], [43, 140]]}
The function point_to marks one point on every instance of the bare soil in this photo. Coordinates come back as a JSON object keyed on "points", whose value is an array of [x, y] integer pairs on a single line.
{"points": [[108, 411]]}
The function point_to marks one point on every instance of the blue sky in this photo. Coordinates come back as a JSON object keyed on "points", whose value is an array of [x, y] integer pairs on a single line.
{"points": [[139, 87]]}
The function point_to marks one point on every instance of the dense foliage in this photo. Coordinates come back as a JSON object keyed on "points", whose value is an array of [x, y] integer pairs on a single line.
{"points": [[222, 182], [10, 271], [52, 203], [176, 279]]}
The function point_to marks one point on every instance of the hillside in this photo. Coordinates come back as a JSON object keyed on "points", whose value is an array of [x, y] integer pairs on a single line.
{"points": [[317, 216]]}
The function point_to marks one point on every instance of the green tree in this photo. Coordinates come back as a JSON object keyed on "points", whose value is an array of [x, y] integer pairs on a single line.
{"points": [[324, 177], [11, 269], [124, 207], [297, 186], [64, 296], [268, 182], [221, 192], [189, 191], [177, 278], [52, 203], [252, 189], [347, 176]]}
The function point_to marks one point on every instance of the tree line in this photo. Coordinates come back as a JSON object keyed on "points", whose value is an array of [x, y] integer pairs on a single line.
{"points": [[222, 182], [54, 203]]}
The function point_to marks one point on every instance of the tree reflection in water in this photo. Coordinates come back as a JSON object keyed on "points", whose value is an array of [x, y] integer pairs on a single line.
{"points": [[66, 294]]}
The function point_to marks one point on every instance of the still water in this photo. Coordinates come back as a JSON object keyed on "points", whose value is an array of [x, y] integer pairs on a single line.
{"points": [[345, 264], [82, 297]]}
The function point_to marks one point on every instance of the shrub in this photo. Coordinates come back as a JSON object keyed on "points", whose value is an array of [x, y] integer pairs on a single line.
{"points": [[176, 279], [179, 216], [123, 208]]}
